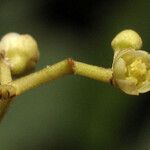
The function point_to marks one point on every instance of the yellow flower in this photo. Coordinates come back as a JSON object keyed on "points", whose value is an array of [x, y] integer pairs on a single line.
{"points": [[126, 39], [20, 52], [131, 71]]}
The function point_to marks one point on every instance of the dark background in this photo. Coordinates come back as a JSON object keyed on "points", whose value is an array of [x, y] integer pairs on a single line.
{"points": [[76, 113]]}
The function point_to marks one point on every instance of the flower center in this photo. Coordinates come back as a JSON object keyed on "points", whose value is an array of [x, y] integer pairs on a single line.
{"points": [[137, 69]]}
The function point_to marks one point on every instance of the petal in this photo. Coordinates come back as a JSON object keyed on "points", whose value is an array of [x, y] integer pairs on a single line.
{"points": [[129, 56], [128, 86], [144, 56], [148, 75], [124, 52], [144, 87], [119, 69]]}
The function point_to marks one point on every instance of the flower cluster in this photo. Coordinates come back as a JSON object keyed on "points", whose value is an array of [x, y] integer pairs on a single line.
{"points": [[130, 69], [131, 66]]}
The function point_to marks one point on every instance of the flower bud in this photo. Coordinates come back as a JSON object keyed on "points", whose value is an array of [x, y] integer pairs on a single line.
{"points": [[127, 39], [131, 71], [20, 52]]}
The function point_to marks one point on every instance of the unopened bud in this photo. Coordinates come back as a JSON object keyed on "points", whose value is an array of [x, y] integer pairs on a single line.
{"points": [[20, 52], [127, 39]]}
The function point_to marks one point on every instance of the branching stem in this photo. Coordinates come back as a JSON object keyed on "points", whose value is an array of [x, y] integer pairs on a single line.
{"points": [[68, 66], [9, 88]]}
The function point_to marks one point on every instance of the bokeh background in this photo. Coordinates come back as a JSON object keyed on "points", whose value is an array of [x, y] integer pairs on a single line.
{"points": [[76, 113]]}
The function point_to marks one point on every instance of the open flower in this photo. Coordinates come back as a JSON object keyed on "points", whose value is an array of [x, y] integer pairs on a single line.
{"points": [[131, 71]]}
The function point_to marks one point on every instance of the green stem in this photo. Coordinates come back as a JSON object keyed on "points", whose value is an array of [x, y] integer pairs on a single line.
{"points": [[5, 73], [5, 78], [62, 68], [93, 72], [10, 88], [47, 74]]}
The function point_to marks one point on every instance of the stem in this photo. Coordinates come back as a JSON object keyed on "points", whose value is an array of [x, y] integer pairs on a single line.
{"points": [[93, 72], [5, 78], [5, 73], [62, 68], [47, 74]]}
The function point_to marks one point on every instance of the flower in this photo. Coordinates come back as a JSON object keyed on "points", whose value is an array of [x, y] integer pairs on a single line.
{"points": [[126, 39], [20, 52], [131, 71]]}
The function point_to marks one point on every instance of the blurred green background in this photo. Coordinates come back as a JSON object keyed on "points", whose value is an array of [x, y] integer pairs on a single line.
{"points": [[76, 113]]}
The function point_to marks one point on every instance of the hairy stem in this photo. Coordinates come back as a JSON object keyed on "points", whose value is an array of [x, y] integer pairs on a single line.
{"points": [[5, 78], [60, 69], [9, 88], [47, 74], [93, 72], [5, 73]]}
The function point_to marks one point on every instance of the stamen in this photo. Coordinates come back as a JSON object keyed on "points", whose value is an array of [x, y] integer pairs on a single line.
{"points": [[137, 69]]}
